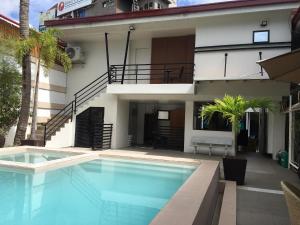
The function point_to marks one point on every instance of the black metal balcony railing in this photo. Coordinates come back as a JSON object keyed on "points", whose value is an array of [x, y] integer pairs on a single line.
{"points": [[153, 73]]}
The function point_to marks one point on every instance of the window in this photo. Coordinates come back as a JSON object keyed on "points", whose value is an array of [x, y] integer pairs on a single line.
{"points": [[261, 36], [163, 115], [146, 6], [150, 5], [79, 13], [158, 6], [216, 123]]}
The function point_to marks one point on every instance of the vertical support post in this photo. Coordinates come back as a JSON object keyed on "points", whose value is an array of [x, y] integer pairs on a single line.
{"points": [[107, 58], [164, 73], [136, 73], [291, 133], [72, 112], [261, 69], [225, 67], [75, 104], [45, 130], [125, 57]]}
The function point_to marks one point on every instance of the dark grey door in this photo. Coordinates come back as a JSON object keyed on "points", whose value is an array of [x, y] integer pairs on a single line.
{"points": [[87, 123]]}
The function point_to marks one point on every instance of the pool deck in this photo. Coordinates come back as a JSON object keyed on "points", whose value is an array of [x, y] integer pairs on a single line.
{"points": [[259, 201]]}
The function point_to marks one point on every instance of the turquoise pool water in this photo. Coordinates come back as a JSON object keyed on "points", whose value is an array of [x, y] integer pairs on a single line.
{"points": [[30, 157], [100, 192]]}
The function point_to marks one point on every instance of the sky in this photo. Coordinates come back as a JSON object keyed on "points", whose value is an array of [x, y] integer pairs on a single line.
{"points": [[10, 8]]}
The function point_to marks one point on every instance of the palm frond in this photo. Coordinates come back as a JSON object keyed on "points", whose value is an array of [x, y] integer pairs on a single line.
{"points": [[234, 108]]}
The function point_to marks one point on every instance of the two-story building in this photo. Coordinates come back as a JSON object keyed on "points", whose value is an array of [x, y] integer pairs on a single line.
{"points": [[147, 74]]}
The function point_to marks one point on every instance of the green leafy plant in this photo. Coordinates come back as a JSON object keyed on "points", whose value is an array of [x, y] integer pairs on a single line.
{"points": [[46, 48], [233, 109], [10, 94]]}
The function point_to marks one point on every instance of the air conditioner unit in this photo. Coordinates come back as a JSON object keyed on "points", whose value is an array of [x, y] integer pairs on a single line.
{"points": [[75, 54]]}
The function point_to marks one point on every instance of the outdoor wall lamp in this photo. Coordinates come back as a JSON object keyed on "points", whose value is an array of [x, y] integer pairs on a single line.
{"points": [[132, 28], [264, 23]]}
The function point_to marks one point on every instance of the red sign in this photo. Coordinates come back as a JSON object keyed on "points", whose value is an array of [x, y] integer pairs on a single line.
{"points": [[61, 6]]}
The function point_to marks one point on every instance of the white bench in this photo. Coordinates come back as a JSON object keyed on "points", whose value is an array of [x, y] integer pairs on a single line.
{"points": [[211, 142]]}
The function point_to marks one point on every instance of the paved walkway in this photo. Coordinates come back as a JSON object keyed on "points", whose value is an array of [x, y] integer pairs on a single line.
{"points": [[260, 200]]}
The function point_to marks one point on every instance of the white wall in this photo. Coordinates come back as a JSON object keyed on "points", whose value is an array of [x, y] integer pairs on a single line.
{"points": [[238, 29], [121, 125], [95, 64], [276, 133]]}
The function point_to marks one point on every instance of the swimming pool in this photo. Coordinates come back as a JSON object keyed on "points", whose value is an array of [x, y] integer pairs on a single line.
{"points": [[102, 192], [33, 157]]}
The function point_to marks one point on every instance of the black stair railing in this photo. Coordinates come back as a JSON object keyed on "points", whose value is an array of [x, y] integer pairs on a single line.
{"points": [[58, 120], [90, 90], [80, 97]]}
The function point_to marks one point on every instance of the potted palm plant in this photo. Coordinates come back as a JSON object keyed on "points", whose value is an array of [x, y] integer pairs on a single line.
{"points": [[233, 108]]}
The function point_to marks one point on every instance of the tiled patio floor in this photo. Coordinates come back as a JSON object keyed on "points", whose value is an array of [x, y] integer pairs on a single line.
{"points": [[255, 205]]}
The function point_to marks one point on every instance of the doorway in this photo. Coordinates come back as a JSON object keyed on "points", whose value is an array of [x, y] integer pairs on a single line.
{"points": [[253, 132], [87, 124], [157, 125]]}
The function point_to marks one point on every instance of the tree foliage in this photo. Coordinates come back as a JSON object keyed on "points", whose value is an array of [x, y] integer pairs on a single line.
{"points": [[45, 45], [10, 94]]}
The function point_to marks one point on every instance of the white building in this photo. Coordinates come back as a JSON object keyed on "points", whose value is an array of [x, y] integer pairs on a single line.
{"points": [[178, 60]]}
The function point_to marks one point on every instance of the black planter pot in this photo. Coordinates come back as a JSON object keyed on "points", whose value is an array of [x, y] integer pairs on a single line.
{"points": [[2, 141], [235, 169]]}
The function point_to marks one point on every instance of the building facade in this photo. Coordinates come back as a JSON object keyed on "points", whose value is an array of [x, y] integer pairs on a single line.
{"points": [[177, 60]]}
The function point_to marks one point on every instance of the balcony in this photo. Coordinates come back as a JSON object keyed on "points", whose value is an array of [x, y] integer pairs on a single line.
{"points": [[153, 79], [171, 73]]}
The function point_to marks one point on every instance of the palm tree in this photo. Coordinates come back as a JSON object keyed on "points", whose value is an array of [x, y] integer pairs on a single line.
{"points": [[233, 109], [46, 48], [26, 75]]}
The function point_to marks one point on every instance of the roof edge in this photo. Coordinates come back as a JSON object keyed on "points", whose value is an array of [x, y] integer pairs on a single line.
{"points": [[168, 11], [11, 21]]}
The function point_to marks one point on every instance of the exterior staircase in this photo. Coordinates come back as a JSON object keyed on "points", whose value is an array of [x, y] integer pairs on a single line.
{"points": [[61, 122], [39, 132]]}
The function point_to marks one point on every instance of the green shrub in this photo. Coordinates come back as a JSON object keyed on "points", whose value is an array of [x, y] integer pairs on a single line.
{"points": [[10, 94]]}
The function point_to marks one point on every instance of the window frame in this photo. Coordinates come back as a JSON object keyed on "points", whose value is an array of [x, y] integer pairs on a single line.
{"points": [[260, 42], [163, 111]]}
